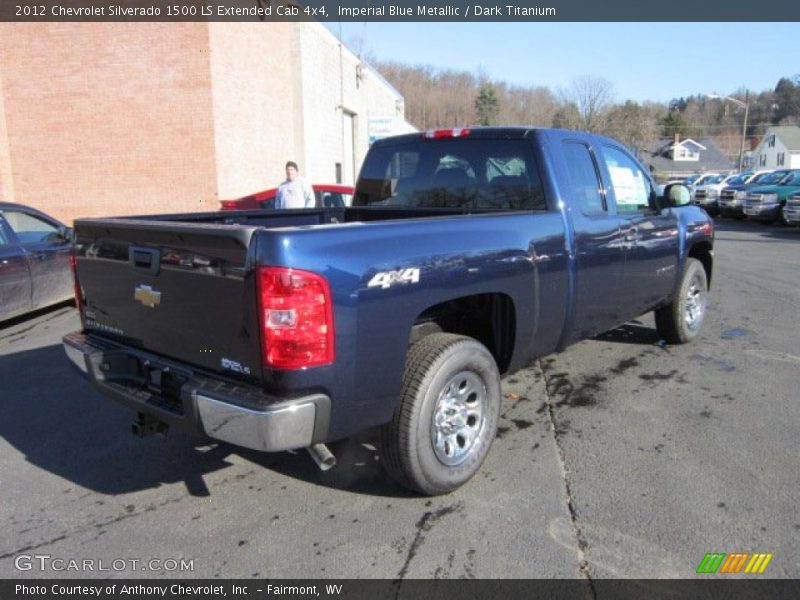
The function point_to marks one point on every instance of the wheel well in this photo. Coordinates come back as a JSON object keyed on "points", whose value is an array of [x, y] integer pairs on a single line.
{"points": [[702, 252], [488, 318]]}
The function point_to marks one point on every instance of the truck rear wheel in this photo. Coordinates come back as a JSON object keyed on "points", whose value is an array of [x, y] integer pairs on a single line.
{"points": [[680, 321], [447, 416]]}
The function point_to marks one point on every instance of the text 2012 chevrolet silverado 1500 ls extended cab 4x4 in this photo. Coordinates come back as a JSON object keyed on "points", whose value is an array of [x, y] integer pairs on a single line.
{"points": [[466, 254]]}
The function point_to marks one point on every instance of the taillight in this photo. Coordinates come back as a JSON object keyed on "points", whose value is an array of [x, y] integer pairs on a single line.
{"points": [[227, 205], [296, 318], [707, 228], [437, 134], [76, 286]]}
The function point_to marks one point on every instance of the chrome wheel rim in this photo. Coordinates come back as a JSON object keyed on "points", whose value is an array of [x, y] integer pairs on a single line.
{"points": [[695, 305], [458, 418]]}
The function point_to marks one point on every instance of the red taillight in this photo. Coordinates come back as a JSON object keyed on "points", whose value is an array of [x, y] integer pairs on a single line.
{"points": [[227, 205], [73, 264], [437, 134], [296, 318]]}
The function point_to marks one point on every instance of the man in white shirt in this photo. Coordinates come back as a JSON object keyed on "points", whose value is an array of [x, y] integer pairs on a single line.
{"points": [[295, 192]]}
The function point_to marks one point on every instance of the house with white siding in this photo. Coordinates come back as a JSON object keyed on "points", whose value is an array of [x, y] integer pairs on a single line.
{"points": [[675, 157], [778, 149]]}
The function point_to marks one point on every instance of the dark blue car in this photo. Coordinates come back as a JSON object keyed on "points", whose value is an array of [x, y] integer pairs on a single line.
{"points": [[34, 260]]}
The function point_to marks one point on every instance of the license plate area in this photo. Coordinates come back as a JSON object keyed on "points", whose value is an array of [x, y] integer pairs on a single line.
{"points": [[154, 383]]}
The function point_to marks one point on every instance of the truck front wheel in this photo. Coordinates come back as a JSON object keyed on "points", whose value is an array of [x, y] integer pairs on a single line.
{"points": [[680, 321], [447, 416]]}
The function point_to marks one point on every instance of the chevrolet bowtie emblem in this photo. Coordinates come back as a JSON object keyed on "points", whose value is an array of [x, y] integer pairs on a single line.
{"points": [[147, 295]]}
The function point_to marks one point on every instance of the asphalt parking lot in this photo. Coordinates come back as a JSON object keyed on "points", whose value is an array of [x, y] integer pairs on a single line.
{"points": [[617, 458]]}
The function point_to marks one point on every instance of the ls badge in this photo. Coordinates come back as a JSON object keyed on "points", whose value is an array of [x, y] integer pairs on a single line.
{"points": [[147, 295]]}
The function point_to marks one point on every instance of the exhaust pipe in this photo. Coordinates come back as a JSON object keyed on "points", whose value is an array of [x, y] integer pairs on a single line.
{"points": [[322, 456]]}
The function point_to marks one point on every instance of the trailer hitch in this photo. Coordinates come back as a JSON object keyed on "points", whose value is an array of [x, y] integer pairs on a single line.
{"points": [[148, 425]]}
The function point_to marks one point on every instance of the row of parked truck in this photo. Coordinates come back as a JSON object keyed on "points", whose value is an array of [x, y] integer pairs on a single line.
{"points": [[770, 196]]}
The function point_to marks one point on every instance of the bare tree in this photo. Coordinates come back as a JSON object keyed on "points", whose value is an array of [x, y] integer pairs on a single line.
{"points": [[567, 116], [591, 96], [526, 106], [634, 124]]}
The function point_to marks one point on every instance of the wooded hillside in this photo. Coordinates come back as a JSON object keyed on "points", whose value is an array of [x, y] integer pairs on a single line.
{"points": [[447, 98]]}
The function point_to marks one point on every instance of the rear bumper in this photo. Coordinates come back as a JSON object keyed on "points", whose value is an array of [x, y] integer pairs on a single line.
{"points": [[173, 393]]}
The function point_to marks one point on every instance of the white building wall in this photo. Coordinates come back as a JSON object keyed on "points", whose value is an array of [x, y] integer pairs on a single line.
{"points": [[766, 157], [253, 102], [336, 85]]}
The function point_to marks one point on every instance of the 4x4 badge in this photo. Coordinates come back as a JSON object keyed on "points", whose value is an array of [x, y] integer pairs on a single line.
{"points": [[147, 295]]}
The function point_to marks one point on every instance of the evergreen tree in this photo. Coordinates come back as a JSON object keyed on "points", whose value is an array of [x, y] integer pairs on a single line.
{"points": [[787, 100], [486, 104], [674, 123]]}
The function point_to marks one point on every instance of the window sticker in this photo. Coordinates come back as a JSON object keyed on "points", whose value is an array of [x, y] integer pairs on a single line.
{"points": [[630, 189]]}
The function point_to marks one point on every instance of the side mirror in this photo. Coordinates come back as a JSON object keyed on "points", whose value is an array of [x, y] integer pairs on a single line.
{"points": [[676, 194], [66, 233]]}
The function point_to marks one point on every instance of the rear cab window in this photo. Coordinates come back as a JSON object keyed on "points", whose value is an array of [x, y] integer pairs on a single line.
{"points": [[584, 179], [468, 174]]}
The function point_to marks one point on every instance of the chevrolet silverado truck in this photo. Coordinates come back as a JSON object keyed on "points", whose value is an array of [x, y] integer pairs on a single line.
{"points": [[765, 203], [465, 255], [707, 196], [791, 212], [731, 199]]}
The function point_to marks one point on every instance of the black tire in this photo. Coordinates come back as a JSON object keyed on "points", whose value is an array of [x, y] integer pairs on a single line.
{"points": [[421, 447], [680, 321]]}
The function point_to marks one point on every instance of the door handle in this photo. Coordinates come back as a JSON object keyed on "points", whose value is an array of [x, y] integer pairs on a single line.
{"points": [[631, 235]]}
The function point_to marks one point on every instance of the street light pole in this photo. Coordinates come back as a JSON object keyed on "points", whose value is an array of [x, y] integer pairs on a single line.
{"points": [[746, 106], [744, 128]]}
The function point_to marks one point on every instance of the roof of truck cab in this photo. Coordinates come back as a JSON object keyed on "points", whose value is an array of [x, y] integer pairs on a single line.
{"points": [[463, 132], [486, 133]]}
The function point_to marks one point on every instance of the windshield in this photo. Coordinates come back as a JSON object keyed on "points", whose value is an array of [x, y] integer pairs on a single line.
{"points": [[451, 173], [771, 178], [793, 178], [705, 180], [759, 178], [739, 179]]}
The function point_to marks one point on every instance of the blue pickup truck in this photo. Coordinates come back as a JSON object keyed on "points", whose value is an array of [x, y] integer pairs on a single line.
{"points": [[465, 255]]}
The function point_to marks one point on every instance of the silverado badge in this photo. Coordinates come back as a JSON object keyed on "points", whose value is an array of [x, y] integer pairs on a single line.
{"points": [[147, 295]]}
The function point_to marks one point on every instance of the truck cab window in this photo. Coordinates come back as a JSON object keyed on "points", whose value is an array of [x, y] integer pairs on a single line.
{"points": [[585, 187], [633, 190], [459, 174]]}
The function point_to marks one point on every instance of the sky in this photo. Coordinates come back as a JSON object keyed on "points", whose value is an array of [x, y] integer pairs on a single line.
{"points": [[643, 61]]}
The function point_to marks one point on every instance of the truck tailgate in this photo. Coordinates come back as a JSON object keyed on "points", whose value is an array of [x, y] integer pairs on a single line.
{"points": [[181, 290]]}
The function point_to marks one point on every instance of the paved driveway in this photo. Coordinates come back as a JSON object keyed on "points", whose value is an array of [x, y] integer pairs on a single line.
{"points": [[618, 458]]}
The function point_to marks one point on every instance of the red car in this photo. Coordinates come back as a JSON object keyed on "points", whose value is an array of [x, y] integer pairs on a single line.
{"points": [[327, 195]]}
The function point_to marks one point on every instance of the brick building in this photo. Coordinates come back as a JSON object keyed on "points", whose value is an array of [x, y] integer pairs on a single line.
{"points": [[126, 118]]}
